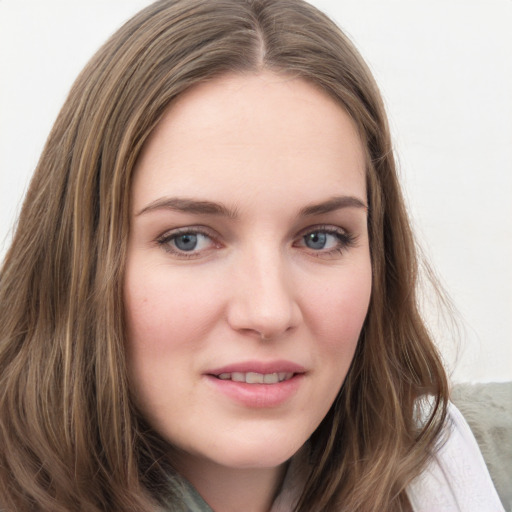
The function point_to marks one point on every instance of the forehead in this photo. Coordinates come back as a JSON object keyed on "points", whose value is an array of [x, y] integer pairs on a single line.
{"points": [[252, 133]]}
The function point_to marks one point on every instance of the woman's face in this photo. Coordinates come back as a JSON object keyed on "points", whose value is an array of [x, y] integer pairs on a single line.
{"points": [[248, 275]]}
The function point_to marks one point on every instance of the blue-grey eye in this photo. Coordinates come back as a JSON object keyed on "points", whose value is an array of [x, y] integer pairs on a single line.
{"points": [[316, 240], [186, 242]]}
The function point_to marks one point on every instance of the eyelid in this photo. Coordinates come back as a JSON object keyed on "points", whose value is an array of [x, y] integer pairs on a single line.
{"points": [[346, 239], [166, 237], [328, 228]]}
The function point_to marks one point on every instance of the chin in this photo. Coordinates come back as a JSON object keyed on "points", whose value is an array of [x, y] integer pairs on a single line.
{"points": [[263, 457], [255, 459], [246, 453]]}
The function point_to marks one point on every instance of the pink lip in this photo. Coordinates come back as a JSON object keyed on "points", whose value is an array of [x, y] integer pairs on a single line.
{"points": [[258, 395]]}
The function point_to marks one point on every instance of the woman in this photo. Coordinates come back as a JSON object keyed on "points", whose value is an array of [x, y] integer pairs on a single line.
{"points": [[209, 299]]}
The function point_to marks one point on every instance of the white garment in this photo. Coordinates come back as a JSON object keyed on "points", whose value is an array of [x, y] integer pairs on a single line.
{"points": [[456, 479]]}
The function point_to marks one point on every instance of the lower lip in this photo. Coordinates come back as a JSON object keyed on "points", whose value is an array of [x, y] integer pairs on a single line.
{"points": [[258, 395]]}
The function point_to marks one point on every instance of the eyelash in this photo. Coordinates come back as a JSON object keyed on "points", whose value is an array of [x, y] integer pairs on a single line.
{"points": [[345, 241], [165, 241]]}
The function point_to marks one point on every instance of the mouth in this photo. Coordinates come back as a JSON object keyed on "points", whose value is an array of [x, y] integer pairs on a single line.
{"points": [[258, 384], [256, 378]]}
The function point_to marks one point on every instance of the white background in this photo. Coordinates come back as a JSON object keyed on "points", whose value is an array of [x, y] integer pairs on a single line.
{"points": [[445, 70]]}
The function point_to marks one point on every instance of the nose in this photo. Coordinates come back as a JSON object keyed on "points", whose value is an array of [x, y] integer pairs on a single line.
{"points": [[263, 299]]}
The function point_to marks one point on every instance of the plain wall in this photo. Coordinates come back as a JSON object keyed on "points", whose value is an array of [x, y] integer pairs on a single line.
{"points": [[445, 71]]}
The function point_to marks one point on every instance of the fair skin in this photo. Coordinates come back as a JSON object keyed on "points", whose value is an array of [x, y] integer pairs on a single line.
{"points": [[248, 278]]}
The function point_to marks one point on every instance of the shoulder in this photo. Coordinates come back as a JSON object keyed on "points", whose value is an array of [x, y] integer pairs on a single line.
{"points": [[456, 479]]}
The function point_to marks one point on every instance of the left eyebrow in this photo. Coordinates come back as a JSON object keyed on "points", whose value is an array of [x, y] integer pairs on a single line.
{"points": [[332, 204]]}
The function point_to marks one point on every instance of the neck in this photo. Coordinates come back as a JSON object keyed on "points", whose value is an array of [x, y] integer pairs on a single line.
{"points": [[229, 489]]}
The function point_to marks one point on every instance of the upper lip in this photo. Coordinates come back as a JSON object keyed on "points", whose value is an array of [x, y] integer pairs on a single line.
{"points": [[263, 367]]}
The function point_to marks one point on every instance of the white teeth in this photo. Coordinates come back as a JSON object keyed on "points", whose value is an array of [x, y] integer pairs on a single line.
{"points": [[256, 378], [238, 377], [270, 378]]}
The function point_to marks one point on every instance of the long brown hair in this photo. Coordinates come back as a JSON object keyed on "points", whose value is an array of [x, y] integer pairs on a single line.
{"points": [[70, 438]]}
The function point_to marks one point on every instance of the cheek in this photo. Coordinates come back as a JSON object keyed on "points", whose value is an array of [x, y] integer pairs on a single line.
{"points": [[163, 311], [336, 317], [338, 310], [166, 318]]}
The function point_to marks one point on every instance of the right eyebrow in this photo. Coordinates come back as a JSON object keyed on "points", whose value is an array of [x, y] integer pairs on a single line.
{"points": [[186, 205]]}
